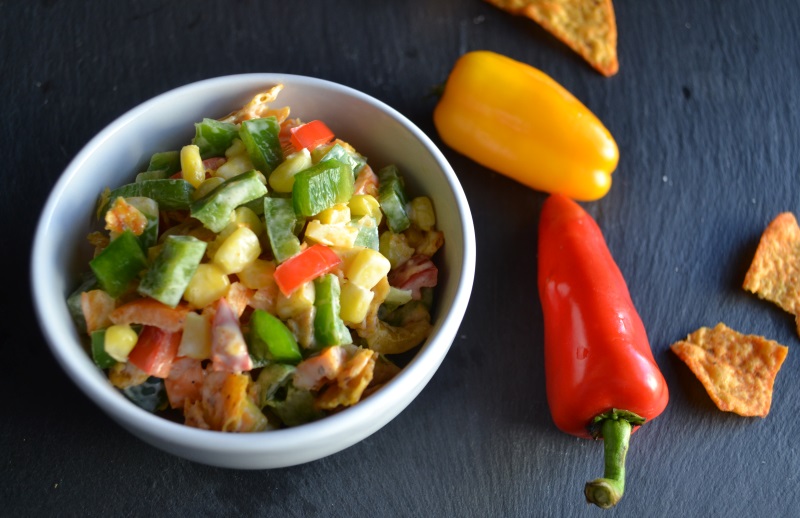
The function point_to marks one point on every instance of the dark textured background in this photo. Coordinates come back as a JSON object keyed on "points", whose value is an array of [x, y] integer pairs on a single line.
{"points": [[706, 112]]}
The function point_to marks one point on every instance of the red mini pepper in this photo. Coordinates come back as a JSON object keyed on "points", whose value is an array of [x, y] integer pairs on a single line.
{"points": [[602, 379]]}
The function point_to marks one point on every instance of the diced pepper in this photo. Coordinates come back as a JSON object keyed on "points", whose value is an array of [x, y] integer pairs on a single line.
{"points": [[155, 351], [213, 137], [214, 209], [148, 207], [367, 233], [280, 221], [228, 347], [150, 312], [260, 137], [306, 266], [310, 135], [392, 198], [119, 264], [337, 152], [173, 268], [271, 340], [101, 358], [416, 273], [170, 194], [150, 395], [271, 378], [329, 329], [162, 165], [322, 186]]}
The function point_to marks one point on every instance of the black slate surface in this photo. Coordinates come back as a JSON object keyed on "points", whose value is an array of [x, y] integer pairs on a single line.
{"points": [[706, 112]]}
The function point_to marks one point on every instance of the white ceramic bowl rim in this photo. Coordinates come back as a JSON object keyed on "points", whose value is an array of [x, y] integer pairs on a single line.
{"points": [[94, 384]]}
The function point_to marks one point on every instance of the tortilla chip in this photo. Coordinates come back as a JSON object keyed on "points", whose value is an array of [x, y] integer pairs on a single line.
{"points": [[738, 371], [774, 274], [587, 26]]}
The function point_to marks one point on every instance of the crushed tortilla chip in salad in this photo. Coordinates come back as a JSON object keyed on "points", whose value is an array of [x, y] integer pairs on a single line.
{"points": [[262, 276]]}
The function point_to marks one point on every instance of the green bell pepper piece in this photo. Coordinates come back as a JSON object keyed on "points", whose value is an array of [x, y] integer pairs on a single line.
{"points": [[173, 268], [280, 221], [367, 233], [392, 199], [149, 208], [322, 186], [101, 358], [271, 341], [271, 379], [150, 395], [329, 328], [162, 165], [260, 138], [213, 137], [170, 194], [89, 282], [296, 407], [338, 152], [215, 208], [119, 264]]}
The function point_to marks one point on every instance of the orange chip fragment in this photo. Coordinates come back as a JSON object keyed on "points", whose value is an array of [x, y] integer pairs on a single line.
{"points": [[774, 274], [588, 27], [738, 371]]}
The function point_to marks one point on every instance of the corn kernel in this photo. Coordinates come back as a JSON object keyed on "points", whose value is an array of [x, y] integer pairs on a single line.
{"points": [[420, 212], [236, 148], [208, 284], [196, 338], [367, 268], [238, 250], [295, 304], [282, 177], [365, 205], [331, 235], [258, 274], [192, 168], [120, 341], [354, 302], [339, 214], [234, 166]]}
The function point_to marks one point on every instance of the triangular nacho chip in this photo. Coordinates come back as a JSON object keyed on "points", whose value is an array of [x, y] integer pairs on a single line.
{"points": [[587, 26], [738, 371], [774, 274]]}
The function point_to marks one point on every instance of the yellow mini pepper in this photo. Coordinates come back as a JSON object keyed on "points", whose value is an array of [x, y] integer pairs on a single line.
{"points": [[518, 121]]}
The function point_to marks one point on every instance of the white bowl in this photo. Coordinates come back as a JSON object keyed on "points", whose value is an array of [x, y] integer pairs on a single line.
{"points": [[166, 122]]}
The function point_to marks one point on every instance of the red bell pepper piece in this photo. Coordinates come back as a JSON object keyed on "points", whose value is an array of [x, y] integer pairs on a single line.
{"points": [[601, 377], [155, 351], [311, 135], [306, 266]]}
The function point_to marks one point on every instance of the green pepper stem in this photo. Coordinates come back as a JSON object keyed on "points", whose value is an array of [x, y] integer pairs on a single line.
{"points": [[615, 429]]}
